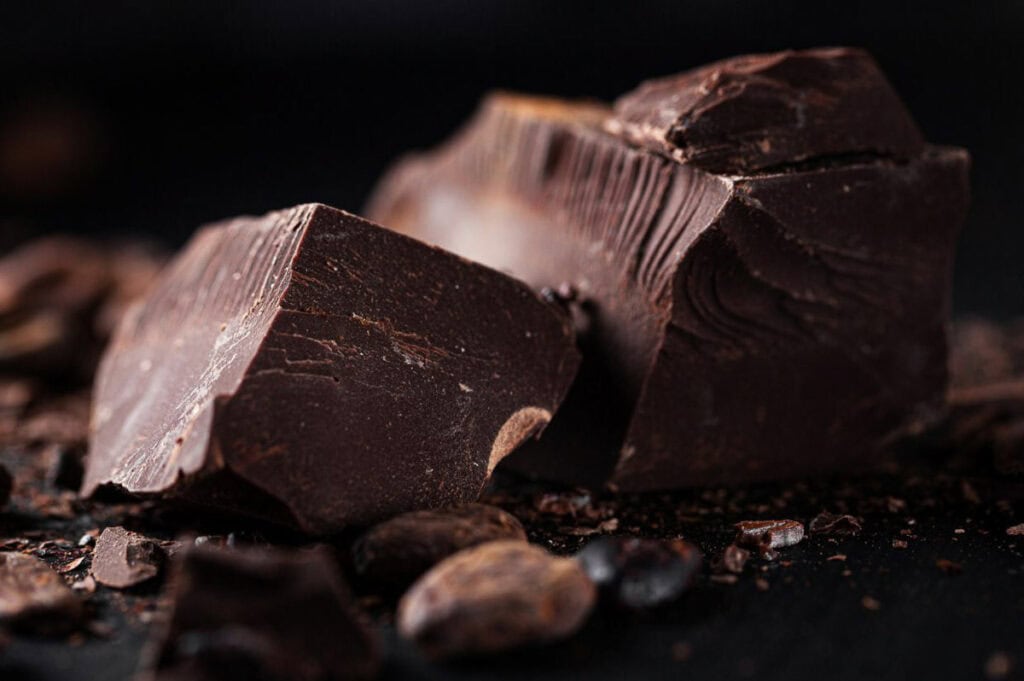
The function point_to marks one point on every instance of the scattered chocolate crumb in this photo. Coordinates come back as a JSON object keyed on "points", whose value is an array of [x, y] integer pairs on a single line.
{"points": [[831, 523], [724, 579], [682, 651], [497, 596], [998, 666], [1016, 530], [733, 559], [899, 544], [949, 567], [837, 557], [870, 603]]}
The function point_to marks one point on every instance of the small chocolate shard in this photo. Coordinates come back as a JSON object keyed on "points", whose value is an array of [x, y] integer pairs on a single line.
{"points": [[1015, 530], [314, 369], [759, 256], [35, 598], [6, 485], [124, 559], [750, 113], [640, 573], [767, 535], [831, 523], [733, 559], [393, 554], [495, 597], [263, 614]]}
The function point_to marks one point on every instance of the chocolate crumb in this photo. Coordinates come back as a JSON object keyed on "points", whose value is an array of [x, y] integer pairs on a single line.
{"points": [[733, 559], [870, 603], [831, 523], [768, 535], [1016, 530], [899, 544]]}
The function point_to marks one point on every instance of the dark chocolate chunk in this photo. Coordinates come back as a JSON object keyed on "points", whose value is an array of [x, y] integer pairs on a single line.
{"points": [[736, 326], [123, 559], [261, 614], [33, 597], [749, 113], [831, 523], [393, 554], [313, 368], [640, 573], [767, 535], [495, 597], [6, 485]]}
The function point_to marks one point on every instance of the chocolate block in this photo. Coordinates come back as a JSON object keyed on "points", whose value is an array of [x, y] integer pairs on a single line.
{"points": [[261, 614], [315, 369], [756, 254]]}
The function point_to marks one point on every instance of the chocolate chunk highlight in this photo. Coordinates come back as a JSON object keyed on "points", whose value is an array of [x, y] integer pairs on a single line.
{"points": [[495, 597], [640, 573], [393, 554], [123, 559], [312, 368], [267, 614], [770, 302], [768, 535], [35, 598], [750, 113]]}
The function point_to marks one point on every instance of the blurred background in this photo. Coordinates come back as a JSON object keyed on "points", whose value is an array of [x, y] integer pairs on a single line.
{"points": [[150, 118]]}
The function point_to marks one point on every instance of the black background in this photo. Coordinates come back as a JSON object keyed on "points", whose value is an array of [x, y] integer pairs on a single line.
{"points": [[185, 112]]}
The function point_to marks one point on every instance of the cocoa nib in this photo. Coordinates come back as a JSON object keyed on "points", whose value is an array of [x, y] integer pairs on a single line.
{"points": [[391, 555], [33, 597], [494, 597], [767, 535], [640, 573], [123, 559], [261, 614], [831, 523], [733, 559]]}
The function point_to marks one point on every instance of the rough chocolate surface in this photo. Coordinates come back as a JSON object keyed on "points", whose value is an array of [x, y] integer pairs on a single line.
{"points": [[745, 325], [315, 369], [749, 113], [262, 614], [34, 597], [123, 558]]}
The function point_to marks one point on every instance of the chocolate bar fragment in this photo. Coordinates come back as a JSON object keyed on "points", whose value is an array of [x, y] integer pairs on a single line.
{"points": [[757, 256], [261, 614], [314, 369]]}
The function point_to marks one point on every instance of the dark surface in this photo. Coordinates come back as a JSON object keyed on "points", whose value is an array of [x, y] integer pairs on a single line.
{"points": [[811, 622], [775, 322], [241, 371]]}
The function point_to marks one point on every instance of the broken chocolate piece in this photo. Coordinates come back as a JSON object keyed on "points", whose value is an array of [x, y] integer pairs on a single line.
{"points": [[393, 554], [315, 369], [761, 111], [33, 597], [494, 597], [6, 484], [640, 573], [831, 523], [261, 614], [759, 255], [767, 535], [123, 559]]}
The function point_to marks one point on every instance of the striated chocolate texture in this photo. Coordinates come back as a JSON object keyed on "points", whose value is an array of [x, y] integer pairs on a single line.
{"points": [[760, 289], [261, 614], [312, 368], [756, 112]]}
